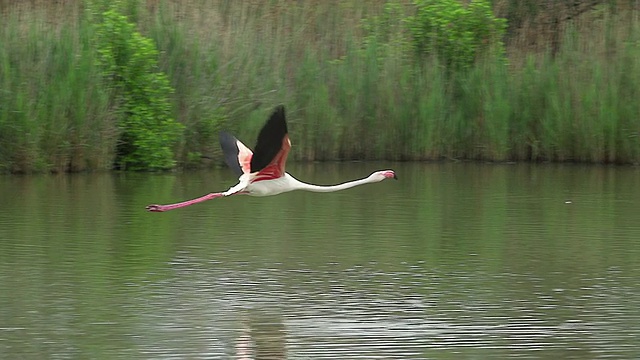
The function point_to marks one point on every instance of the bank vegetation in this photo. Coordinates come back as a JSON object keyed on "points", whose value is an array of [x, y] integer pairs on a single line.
{"points": [[147, 85]]}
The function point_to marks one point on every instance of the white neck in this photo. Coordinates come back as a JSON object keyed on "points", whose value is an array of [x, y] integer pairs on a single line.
{"points": [[299, 185]]}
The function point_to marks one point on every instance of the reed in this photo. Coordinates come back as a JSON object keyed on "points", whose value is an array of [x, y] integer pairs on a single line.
{"points": [[352, 88], [55, 115]]}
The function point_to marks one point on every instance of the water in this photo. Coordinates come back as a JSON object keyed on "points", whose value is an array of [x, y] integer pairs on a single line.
{"points": [[464, 261]]}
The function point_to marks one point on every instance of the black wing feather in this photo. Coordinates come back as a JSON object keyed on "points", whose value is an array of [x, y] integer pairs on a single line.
{"points": [[230, 150], [269, 140]]}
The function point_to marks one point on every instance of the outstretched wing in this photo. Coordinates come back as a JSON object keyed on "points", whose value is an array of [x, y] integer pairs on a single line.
{"points": [[273, 146], [236, 154]]}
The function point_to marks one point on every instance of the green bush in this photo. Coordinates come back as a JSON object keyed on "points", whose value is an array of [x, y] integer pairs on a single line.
{"points": [[140, 91], [455, 34]]}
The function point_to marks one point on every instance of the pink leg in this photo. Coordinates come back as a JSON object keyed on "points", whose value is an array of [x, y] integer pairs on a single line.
{"points": [[161, 208]]}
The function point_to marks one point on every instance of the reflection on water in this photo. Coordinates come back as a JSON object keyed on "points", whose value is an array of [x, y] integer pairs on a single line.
{"points": [[452, 261]]}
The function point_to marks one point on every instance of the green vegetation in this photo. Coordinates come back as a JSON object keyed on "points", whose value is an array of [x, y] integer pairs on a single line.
{"points": [[455, 33], [54, 111], [555, 83], [128, 63]]}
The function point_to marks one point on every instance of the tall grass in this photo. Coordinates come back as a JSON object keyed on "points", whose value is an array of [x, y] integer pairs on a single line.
{"points": [[54, 114], [351, 91], [354, 94]]}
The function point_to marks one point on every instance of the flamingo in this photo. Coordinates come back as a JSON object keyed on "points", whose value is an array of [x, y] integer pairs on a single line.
{"points": [[262, 173]]}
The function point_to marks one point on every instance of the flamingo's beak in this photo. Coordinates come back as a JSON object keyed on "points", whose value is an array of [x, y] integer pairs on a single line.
{"points": [[395, 176]]}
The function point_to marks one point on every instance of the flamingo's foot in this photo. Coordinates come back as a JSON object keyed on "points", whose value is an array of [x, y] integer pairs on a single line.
{"points": [[155, 208]]}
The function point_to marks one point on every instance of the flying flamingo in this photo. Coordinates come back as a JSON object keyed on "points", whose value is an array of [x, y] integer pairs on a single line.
{"points": [[262, 172]]}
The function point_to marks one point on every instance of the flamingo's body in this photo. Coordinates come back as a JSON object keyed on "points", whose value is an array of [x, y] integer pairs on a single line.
{"points": [[262, 173]]}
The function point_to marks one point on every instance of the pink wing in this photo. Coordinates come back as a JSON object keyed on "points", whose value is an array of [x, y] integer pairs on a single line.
{"points": [[271, 150], [276, 167], [244, 157], [236, 154]]}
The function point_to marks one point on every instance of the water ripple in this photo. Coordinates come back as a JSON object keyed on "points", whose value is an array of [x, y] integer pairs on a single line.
{"points": [[305, 313]]}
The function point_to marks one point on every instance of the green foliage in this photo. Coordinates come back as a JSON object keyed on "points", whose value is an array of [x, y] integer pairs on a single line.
{"points": [[75, 96], [54, 114], [129, 65], [455, 34], [385, 32], [192, 66]]}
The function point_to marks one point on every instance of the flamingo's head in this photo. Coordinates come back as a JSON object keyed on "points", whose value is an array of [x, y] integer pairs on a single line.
{"points": [[384, 174]]}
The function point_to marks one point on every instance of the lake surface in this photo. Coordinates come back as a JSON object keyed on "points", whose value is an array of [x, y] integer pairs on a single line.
{"points": [[453, 261]]}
